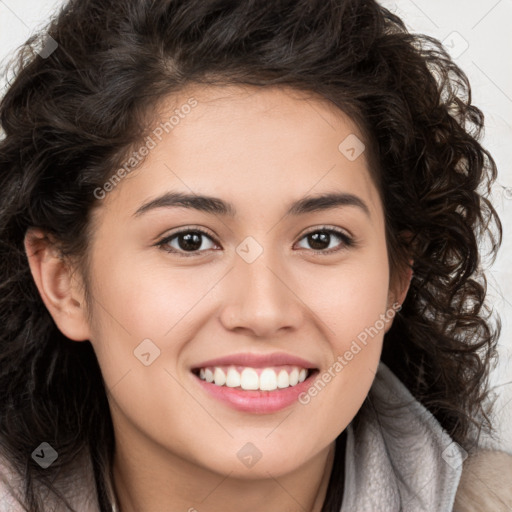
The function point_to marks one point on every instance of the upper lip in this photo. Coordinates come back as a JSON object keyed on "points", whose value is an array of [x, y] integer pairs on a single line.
{"points": [[257, 361]]}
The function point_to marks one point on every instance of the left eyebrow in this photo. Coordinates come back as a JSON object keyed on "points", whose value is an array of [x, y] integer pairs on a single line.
{"points": [[217, 206]]}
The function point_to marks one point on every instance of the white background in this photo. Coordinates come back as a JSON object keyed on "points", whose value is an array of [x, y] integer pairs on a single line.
{"points": [[478, 35]]}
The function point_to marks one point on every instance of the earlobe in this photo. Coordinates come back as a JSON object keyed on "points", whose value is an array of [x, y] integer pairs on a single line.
{"points": [[53, 277]]}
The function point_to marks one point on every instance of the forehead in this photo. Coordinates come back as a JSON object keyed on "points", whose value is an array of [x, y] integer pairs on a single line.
{"points": [[249, 143]]}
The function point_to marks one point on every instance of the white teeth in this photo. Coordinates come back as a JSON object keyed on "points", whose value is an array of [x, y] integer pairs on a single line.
{"points": [[267, 380], [283, 380], [249, 379], [233, 378], [219, 377]]}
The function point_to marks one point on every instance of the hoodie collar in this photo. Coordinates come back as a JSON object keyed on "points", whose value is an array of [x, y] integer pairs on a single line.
{"points": [[398, 457]]}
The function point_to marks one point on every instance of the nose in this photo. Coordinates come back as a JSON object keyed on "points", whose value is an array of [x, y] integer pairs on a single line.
{"points": [[261, 298]]}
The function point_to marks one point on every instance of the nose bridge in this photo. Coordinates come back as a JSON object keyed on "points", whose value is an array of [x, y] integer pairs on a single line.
{"points": [[259, 297]]}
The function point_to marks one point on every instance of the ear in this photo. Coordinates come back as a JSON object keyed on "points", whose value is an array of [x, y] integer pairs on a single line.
{"points": [[404, 282], [398, 292], [60, 291]]}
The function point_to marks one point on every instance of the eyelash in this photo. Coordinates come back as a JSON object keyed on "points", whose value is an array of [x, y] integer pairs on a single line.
{"points": [[347, 241]]}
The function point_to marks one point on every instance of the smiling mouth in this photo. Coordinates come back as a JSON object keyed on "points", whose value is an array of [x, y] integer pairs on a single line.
{"points": [[255, 379]]}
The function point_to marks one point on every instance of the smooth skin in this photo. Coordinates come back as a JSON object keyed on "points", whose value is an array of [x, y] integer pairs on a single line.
{"points": [[261, 150]]}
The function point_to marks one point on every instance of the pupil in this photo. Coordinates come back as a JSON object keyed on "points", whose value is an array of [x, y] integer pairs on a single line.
{"points": [[318, 240], [191, 241]]}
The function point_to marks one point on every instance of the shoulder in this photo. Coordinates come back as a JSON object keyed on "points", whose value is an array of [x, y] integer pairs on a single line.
{"points": [[485, 483]]}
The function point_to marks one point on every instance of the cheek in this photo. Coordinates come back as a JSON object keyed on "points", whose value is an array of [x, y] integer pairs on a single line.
{"points": [[137, 302], [355, 313], [136, 306], [348, 298], [146, 301]]}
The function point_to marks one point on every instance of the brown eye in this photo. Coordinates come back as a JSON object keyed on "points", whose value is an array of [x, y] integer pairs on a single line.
{"points": [[321, 240], [186, 241]]}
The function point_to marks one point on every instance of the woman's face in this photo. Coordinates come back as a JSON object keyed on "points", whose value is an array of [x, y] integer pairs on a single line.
{"points": [[269, 290]]}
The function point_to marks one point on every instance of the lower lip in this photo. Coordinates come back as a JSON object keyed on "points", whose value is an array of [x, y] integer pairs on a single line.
{"points": [[258, 402]]}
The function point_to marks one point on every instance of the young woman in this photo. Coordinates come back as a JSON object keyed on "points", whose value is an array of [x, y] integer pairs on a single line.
{"points": [[240, 264]]}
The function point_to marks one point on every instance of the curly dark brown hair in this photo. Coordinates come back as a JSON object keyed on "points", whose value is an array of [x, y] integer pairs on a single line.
{"points": [[71, 117]]}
